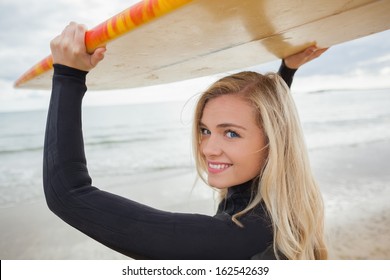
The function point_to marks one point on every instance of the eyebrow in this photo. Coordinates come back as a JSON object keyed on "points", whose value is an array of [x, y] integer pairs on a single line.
{"points": [[225, 125]]}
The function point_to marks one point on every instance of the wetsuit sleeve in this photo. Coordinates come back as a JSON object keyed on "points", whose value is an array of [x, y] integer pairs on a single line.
{"points": [[126, 226], [286, 73]]}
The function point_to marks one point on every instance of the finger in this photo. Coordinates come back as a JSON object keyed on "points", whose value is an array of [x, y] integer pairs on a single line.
{"points": [[321, 51], [67, 36], [97, 56], [79, 37], [318, 52], [69, 30], [310, 50], [55, 41]]}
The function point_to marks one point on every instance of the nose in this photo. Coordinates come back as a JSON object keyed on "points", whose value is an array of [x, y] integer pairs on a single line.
{"points": [[211, 146]]}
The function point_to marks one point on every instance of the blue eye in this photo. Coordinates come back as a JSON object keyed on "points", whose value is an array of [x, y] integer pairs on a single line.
{"points": [[232, 134], [205, 131]]}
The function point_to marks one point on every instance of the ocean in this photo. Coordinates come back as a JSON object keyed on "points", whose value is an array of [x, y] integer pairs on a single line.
{"points": [[135, 140]]}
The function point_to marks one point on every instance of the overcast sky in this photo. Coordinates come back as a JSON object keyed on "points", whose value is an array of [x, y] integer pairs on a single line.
{"points": [[27, 28]]}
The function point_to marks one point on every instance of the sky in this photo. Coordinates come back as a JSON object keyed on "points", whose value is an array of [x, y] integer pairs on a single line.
{"points": [[27, 28]]}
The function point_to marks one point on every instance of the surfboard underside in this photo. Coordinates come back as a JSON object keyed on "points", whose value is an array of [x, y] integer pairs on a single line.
{"points": [[204, 37]]}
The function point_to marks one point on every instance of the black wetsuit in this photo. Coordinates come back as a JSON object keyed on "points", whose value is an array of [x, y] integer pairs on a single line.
{"points": [[126, 226]]}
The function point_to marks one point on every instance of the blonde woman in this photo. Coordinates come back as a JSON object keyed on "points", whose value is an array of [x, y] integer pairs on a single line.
{"points": [[248, 143], [248, 135]]}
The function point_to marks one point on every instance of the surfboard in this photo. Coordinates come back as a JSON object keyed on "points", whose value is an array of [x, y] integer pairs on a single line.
{"points": [[162, 41]]}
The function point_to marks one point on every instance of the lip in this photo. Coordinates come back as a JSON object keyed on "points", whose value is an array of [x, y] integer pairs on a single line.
{"points": [[217, 167]]}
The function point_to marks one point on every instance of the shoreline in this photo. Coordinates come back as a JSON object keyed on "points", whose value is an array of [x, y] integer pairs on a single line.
{"points": [[354, 181]]}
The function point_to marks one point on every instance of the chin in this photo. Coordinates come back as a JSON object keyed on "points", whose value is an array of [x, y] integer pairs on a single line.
{"points": [[218, 184]]}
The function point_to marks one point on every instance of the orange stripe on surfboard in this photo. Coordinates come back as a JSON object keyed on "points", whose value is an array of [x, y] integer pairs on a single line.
{"points": [[120, 24]]}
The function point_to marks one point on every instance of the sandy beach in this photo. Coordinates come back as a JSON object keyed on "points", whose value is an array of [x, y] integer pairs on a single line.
{"points": [[355, 181]]}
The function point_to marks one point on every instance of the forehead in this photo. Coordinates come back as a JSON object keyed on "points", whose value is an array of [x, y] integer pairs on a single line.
{"points": [[229, 108]]}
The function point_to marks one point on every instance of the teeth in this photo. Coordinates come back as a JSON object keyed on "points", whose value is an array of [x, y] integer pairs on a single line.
{"points": [[218, 166]]}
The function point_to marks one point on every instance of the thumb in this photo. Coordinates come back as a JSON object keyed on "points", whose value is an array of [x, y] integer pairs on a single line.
{"points": [[97, 56]]}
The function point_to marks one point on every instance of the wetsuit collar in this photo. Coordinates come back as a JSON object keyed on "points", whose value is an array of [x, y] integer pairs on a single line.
{"points": [[243, 189], [237, 199]]}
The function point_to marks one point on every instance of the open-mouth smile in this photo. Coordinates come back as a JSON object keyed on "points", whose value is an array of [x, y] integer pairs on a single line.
{"points": [[216, 167]]}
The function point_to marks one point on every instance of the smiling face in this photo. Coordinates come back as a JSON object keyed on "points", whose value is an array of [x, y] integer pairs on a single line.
{"points": [[232, 144]]}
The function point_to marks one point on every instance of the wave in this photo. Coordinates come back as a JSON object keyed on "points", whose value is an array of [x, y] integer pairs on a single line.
{"points": [[346, 144], [22, 150], [348, 90], [348, 120], [107, 142]]}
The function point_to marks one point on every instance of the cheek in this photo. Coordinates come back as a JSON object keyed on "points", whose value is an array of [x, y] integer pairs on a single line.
{"points": [[254, 163], [255, 158], [201, 147], [261, 159]]}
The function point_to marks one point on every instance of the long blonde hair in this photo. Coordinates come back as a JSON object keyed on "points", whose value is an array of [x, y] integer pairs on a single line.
{"points": [[286, 183]]}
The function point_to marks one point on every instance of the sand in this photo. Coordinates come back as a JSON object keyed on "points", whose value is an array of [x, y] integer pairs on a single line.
{"points": [[355, 182]]}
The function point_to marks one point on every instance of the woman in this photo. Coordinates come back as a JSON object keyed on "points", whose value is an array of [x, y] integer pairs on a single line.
{"points": [[239, 155]]}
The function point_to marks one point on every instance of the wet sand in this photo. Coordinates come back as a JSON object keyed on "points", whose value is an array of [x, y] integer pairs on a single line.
{"points": [[355, 182]]}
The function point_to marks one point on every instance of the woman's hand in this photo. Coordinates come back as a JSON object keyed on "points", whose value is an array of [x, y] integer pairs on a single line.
{"points": [[69, 49], [298, 59]]}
